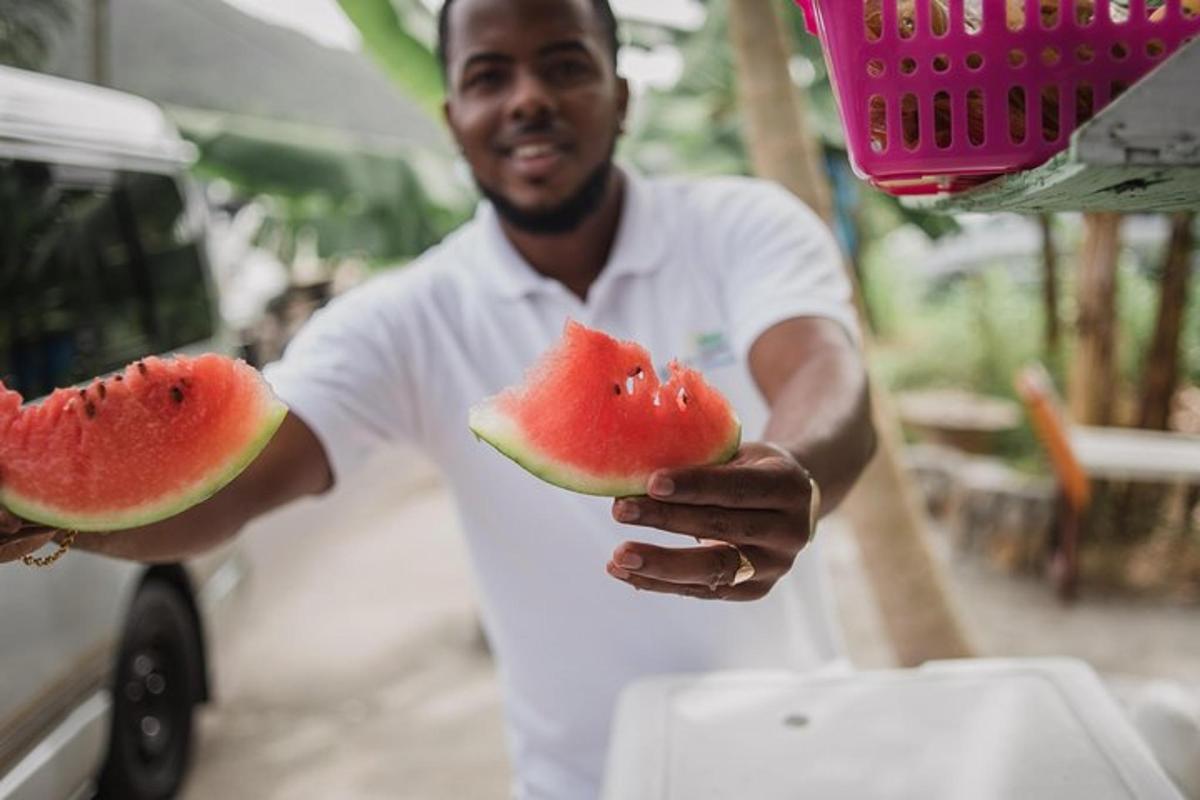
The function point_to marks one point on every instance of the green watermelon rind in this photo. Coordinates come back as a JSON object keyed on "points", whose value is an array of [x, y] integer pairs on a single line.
{"points": [[272, 418], [498, 430]]}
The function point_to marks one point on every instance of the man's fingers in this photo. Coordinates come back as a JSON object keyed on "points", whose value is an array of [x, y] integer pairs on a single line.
{"points": [[711, 565], [751, 590], [729, 485], [761, 528]]}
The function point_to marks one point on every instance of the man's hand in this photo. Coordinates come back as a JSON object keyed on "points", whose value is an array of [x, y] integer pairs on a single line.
{"points": [[19, 538], [759, 502]]}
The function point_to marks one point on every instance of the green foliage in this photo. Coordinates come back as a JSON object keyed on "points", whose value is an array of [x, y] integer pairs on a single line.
{"points": [[694, 127], [976, 331], [883, 212], [973, 333], [360, 193], [405, 58], [374, 203]]}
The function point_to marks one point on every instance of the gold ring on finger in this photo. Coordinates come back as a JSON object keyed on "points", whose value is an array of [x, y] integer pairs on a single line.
{"points": [[745, 570]]}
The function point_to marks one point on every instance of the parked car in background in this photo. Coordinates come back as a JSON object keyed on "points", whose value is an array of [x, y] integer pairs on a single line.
{"points": [[101, 262]]}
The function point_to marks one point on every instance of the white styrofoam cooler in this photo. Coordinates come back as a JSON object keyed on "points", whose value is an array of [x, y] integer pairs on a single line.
{"points": [[978, 729]]}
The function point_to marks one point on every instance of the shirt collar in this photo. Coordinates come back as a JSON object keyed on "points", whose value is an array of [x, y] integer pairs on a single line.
{"points": [[638, 248]]}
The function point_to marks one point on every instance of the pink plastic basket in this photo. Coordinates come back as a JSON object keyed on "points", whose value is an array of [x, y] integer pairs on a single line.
{"points": [[969, 64]]}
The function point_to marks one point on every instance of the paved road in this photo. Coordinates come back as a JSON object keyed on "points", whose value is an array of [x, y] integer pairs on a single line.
{"points": [[1126, 639], [353, 668]]}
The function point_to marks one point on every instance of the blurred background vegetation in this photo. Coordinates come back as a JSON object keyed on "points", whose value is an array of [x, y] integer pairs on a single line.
{"points": [[334, 126], [326, 116]]}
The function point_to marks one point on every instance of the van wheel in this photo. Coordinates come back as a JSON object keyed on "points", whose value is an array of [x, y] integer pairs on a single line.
{"points": [[158, 676]]}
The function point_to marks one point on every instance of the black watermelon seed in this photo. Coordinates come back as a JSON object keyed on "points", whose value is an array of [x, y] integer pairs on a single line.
{"points": [[633, 373], [177, 394], [118, 378], [83, 394], [90, 408], [141, 367], [102, 390], [616, 388]]}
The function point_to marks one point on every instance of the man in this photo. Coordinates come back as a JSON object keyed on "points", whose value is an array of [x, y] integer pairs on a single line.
{"points": [[732, 274]]}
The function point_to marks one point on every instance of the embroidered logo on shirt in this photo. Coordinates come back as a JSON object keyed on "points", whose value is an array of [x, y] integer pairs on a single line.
{"points": [[706, 352]]}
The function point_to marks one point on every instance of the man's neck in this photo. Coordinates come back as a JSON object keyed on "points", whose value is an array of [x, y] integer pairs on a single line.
{"points": [[575, 259]]}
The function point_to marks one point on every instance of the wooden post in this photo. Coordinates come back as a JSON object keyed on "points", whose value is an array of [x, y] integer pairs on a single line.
{"points": [[1049, 288], [773, 110], [1162, 361], [1093, 376], [888, 519]]}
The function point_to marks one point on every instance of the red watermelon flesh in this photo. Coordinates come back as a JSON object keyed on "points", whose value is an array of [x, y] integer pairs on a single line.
{"points": [[592, 416], [135, 447]]}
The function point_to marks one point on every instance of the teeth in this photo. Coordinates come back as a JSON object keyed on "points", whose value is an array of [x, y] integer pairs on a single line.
{"points": [[533, 150]]}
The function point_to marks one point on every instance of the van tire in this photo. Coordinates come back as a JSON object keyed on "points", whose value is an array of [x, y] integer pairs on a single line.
{"points": [[157, 680]]}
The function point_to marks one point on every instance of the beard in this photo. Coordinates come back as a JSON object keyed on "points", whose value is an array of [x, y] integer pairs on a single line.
{"points": [[563, 218]]}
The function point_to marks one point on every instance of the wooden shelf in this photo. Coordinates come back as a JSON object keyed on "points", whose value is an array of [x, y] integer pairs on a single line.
{"points": [[1140, 154]]}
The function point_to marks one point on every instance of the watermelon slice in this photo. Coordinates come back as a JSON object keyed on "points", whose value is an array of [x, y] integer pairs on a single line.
{"points": [[593, 417], [136, 447]]}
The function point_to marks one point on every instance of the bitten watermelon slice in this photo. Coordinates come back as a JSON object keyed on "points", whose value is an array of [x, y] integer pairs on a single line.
{"points": [[593, 417], [136, 447]]}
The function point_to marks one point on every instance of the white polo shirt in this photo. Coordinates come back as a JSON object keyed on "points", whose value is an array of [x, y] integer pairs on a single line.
{"points": [[699, 269]]}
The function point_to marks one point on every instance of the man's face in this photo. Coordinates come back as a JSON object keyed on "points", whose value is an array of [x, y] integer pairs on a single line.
{"points": [[532, 98]]}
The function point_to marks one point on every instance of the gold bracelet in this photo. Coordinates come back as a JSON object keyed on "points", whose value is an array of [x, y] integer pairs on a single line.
{"points": [[46, 561]]}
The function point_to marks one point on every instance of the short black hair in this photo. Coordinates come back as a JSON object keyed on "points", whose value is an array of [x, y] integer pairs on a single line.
{"points": [[608, 24]]}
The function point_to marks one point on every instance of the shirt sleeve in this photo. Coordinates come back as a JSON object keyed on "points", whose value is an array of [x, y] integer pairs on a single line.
{"points": [[781, 261], [345, 376]]}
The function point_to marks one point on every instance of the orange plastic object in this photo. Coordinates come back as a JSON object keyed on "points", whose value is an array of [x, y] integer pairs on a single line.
{"points": [[1036, 390]]}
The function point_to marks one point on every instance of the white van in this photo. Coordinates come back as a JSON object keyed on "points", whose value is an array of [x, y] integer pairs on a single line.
{"points": [[101, 262]]}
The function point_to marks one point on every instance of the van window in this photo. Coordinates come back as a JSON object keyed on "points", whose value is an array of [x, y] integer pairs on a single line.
{"points": [[97, 269]]}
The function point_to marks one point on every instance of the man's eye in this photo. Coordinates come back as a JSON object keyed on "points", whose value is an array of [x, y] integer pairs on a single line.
{"points": [[483, 79], [568, 70]]}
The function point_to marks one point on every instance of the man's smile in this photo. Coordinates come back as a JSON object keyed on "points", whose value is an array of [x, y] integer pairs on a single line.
{"points": [[535, 159]]}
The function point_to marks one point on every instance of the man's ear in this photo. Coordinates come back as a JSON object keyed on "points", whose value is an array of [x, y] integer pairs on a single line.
{"points": [[448, 116]]}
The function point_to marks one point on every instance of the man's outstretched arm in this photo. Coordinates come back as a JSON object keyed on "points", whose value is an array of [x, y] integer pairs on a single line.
{"points": [[815, 382], [291, 466]]}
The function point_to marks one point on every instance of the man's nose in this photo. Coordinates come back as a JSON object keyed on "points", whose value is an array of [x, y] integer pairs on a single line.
{"points": [[531, 99]]}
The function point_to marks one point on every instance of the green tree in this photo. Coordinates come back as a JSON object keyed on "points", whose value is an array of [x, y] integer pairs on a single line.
{"points": [[390, 33]]}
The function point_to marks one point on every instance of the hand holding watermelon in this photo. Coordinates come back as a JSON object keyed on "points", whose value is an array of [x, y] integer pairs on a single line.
{"points": [[130, 449], [593, 417], [752, 516]]}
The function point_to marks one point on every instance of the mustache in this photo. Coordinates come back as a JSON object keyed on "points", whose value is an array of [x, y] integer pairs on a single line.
{"points": [[546, 127]]}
